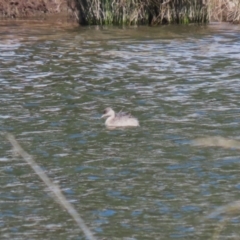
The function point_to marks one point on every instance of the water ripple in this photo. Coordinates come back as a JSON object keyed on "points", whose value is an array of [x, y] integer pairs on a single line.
{"points": [[183, 85]]}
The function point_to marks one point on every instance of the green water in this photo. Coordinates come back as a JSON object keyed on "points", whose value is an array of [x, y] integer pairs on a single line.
{"points": [[181, 82]]}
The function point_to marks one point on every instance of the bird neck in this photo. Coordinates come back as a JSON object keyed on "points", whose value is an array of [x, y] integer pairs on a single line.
{"points": [[110, 118]]}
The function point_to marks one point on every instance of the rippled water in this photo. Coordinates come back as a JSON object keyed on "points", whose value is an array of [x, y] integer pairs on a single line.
{"points": [[151, 182]]}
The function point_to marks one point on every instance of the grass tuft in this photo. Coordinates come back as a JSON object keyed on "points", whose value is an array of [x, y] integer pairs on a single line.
{"points": [[134, 12]]}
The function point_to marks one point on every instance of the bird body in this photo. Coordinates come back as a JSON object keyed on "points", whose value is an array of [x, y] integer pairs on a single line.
{"points": [[121, 119]]}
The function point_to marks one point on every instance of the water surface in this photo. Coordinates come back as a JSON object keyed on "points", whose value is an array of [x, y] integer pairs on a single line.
{"points": [[181, 82]]}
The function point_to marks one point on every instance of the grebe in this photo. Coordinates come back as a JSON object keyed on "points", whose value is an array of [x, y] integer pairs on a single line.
{"points": [[121, 119]]}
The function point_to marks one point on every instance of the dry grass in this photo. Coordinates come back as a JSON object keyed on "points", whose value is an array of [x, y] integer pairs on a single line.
{"points": [[134, 12], [112, 11], [130, 12], [227, 212], [27, 8], [225, 10], [53, 188]]}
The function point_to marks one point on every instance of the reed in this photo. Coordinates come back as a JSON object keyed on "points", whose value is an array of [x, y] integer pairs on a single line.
{"points": [[224, 10], [52, 187], [108, 12], [132, 12], [227, 213], [128, 12], [182, 11]]}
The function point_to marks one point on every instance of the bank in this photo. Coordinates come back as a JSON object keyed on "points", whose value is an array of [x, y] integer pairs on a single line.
{"points": [[129, 12]]}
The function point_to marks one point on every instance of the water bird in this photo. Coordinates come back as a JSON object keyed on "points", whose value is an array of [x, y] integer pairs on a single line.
{"points": [[120, 119]]}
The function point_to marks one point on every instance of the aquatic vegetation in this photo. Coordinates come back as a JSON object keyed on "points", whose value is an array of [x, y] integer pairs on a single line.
{"points": [[224, 10], [132, 12], [155, 12], [127, 12]]}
